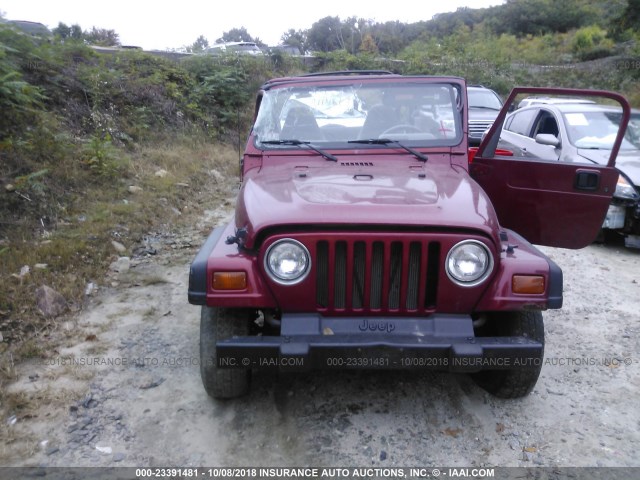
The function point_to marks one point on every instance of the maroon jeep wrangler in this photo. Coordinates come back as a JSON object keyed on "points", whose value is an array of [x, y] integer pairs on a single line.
{"points": [[365, 237]]}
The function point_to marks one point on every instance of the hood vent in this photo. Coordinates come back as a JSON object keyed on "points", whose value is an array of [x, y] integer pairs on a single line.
{"points": [[356, 164]]}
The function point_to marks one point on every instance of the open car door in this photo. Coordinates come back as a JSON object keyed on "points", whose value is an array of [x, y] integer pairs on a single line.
{"points": [[549, 202]]}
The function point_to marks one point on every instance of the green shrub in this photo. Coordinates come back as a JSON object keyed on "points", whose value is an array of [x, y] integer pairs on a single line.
{"points": [[19, 99], [591, 42], [102, 158]]}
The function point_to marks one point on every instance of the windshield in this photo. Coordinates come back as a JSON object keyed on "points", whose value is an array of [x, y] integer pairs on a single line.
{"points": [[598, 130], [483, 99], [416, 113]]}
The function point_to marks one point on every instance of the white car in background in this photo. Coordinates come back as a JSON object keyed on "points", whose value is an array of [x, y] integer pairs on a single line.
{"points": [[583, 132], [239, 48], [527, 102]]}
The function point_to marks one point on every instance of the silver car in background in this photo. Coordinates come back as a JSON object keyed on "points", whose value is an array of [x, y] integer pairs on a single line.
{"points": [[584, 133]]}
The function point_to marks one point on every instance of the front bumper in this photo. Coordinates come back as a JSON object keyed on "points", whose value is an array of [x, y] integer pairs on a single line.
{"points": [[439, 342], [615, 217], [625, 219]]}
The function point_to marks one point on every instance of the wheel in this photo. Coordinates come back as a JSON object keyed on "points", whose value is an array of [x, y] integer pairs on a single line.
{"points": [[518, 382], [402, 128], [219, 324]]}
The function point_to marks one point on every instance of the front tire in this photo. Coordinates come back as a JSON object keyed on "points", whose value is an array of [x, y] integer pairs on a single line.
{"points": [[517, 382], [220, 324]]}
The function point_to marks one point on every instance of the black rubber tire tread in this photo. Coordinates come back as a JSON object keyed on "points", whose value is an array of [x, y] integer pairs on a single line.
{"points": [[219, 324], [519, 382]]}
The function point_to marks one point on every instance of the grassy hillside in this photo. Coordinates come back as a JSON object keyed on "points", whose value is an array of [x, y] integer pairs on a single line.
{"points": [[100, 148]]}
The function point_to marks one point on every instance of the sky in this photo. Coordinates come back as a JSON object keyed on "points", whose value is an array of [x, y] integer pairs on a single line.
{"points": [[172, 25]]}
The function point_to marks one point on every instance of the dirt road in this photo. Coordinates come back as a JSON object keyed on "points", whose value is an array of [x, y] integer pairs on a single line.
{"points": [[138, 399]]}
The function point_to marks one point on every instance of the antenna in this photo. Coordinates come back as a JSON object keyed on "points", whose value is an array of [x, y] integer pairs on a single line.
{"points": [[238, 127]]}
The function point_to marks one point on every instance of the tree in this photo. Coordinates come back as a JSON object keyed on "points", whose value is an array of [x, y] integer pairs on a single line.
{"points": [[259, 42], [368, 45], [536, 17], [235, 35], [102, 37], [629, 19], [200, 45], [76, 32], [62, 31], [325, 35], [391, 37], [296, 39], [350, 35]]}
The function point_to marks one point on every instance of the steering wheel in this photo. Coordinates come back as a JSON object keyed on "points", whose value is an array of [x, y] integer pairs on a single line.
{"points": [[402, 128]]}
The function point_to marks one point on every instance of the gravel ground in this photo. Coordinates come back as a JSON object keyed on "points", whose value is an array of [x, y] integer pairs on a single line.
{"points": [[149, 406]]}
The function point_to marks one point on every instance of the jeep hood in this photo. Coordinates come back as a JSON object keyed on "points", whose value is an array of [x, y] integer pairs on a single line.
{"points": [[342, 196]]}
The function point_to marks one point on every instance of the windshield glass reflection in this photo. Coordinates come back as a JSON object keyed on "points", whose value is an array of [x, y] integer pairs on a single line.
{"points": [[414, 113]]}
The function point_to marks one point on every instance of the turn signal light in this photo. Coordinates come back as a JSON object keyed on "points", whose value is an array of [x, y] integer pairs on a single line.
{"points": [[527, 284], [229, 280]]}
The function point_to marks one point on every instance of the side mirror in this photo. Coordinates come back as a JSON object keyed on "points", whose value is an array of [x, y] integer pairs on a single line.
{"points": [[547, 139]]}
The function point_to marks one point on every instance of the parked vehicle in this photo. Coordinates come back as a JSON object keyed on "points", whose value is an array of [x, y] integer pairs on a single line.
{"points": [[584, 133], [34, 29], [527, 102], [239, 48], [363, 238], [484, 105]]}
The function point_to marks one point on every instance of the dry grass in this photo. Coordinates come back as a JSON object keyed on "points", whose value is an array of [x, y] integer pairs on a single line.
{"points": [[21, 403], [150, 313], [82, 374], [18, 440], [139, 279], [105, 327], [8, 372], [16, 443], [95, 350], [153, 280], [76, 245]]}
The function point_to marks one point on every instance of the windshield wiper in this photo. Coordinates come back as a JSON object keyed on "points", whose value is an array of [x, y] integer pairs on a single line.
{"points": [[484, 107], [326, 155], [386, 141]]}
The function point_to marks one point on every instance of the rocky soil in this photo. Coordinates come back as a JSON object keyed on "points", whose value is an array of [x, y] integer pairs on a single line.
{"points": [[137, 399]]}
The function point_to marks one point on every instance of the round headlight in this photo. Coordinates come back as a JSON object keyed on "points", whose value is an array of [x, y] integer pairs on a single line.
{"points": [[469, 263], [287, 261]]}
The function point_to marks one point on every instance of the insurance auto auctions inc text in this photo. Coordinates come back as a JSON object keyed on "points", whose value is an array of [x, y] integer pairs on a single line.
{"points": [[372, 472]]}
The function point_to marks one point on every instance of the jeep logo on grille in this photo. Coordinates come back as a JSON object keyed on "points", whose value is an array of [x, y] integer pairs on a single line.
{"points": [[376, 326]]}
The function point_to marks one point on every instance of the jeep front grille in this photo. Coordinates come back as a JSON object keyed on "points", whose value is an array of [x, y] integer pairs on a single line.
{"points": [[377, 276]]}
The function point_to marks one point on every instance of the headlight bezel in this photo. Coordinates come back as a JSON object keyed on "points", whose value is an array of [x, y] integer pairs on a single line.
{"points": [[622, 184], [273, 275], [484, 275]]}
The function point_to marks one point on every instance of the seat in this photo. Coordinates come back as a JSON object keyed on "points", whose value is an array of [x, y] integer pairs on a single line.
{"points": [[379, 119], [300, 124], [548, 125]]}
